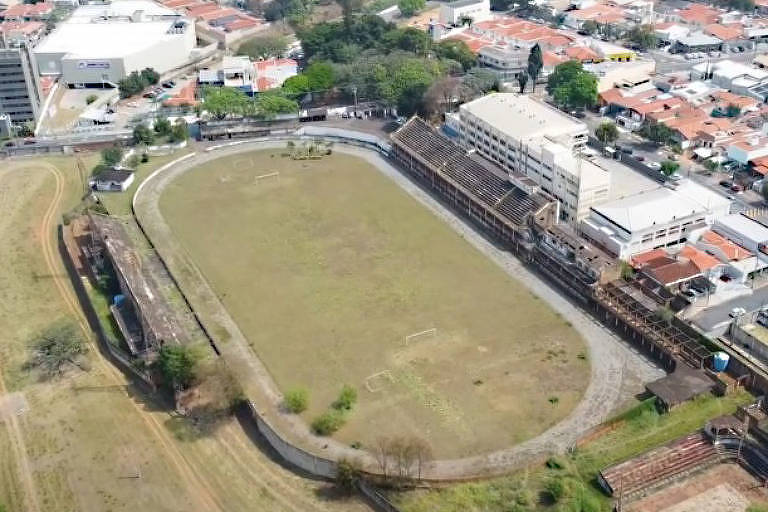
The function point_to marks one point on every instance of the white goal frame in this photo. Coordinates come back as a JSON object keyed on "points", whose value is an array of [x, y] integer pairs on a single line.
{"points": [[275, 174], [386, 374]]}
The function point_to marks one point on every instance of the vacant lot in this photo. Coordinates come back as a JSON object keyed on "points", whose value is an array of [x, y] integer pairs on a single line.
{"points": [[328, 266], [92, 441]]}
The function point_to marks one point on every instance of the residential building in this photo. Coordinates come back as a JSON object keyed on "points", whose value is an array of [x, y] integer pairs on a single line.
{"points": [[652, 219], [696, 42], [505, 60], [28, 12], [623, 75], [735, 76], [101, 44], [532, 139], [454, 12], [249, 77], [20, 95]]}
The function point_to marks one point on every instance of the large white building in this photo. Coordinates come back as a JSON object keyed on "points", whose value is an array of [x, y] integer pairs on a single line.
{"points": [[454, 12], [661, 217], [529, 137], [101, 44]]}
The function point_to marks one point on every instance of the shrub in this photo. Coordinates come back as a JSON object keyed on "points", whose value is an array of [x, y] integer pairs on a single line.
{"points": [[347, 398], [133, 161], [144, 158], [90, 99], [347, 474], [177, 364], [112, 156], [327, 423], [555, 463], [296, 400]]}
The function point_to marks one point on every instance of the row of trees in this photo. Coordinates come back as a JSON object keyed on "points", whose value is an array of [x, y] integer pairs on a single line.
{"points": [[223, 101], [137, 81], [162, 128]]}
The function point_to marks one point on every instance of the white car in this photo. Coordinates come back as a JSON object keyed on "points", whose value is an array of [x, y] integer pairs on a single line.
{"points": [[736, 312], [654, 165]]}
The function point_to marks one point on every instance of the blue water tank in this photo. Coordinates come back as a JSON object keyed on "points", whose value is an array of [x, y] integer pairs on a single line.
{"points": [[720, 361], [118, 299]]}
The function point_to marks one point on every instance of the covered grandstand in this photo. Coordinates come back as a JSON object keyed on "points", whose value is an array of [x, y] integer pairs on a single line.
{"points": [[470, 186]]}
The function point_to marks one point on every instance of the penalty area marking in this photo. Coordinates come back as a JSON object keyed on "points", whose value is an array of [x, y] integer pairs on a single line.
{"points": [[416, 336], [379, 378]]}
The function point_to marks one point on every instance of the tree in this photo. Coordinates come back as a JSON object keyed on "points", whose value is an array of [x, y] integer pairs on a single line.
{"points": [[347, 398], [223, 101], [348, 8], [668, 167], [319, 76], [296, 400], [422, 453], [589, 27], [112, 156], [162, 126], [136, 82], [264, 46], [150, 76], [535, 64], [328, 423], [657, 132], [408, 39], [745, 6], [607, 132], [57, 347], [572, 86], [642, 36], [177, 364], [410, 7], [180, 131], [142, 134], [347, 475], [522, 80], [443, 93], [457, 50]]}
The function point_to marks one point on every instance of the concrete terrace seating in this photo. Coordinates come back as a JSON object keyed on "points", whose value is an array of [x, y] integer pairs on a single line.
{"points": [[663, 463]]}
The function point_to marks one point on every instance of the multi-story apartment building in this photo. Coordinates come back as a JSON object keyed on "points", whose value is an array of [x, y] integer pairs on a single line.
{"points": [[19, 85], [529, 137]]}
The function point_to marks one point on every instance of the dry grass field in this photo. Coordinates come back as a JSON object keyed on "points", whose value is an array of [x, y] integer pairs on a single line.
{"points": [[92, 441], [329, 265]]}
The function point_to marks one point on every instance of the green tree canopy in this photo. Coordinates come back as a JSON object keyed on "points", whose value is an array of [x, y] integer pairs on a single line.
{"points": [[112, 155], [264, 46], [319, 76], [590, 27], [572, 86], [657, 132], [223, 101], [607, 132], [410, 7], [143, 135], [535, 64], [668, 167], [58, 346], [643, 36], [162, 126], [179, 131], [177, 364], [455, 50], [270, 104]]}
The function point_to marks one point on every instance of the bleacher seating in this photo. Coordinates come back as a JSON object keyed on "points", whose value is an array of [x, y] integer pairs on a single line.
{"points": [[449, 159], [661, 464]]}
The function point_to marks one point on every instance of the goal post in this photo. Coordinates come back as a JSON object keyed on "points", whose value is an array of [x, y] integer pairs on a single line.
{"points": [[418, 336], [266, 176]]}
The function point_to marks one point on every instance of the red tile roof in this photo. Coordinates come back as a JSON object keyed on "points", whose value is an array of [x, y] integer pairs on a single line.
{"points": [[701, 259], [725, 32], [699, 14], [639, 260], [27, 10], [729, 249], [582, 53]]}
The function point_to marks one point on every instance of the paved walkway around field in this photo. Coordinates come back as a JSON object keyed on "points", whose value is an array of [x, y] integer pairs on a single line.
{"points": [[618, 372]]}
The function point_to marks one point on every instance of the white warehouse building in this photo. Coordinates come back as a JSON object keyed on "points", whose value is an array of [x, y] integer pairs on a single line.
{"points": [[529, 137], [101, 44], [661, 217]]}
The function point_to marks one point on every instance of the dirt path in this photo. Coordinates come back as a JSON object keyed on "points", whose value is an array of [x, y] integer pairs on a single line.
{"points": [[196, 487], [617, 370], [12, 421]]}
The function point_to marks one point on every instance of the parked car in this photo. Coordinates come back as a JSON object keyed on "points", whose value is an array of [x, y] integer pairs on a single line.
{"points": [[736, 312], [640, 158], [726, 183], [737, 188], [654, 165], [626, 150]]}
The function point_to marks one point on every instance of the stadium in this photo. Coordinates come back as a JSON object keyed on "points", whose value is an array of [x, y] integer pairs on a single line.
{"points": [[336, 275]]}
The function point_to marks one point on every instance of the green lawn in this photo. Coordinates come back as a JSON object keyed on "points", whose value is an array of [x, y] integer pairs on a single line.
{"points": [[638, 431], [330, 265]]}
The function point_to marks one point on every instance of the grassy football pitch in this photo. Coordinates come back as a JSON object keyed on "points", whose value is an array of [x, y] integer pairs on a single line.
{"points": [[328, 266]]}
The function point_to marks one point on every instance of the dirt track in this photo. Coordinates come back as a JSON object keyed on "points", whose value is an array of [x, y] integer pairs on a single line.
{"points": [[618, 372]]}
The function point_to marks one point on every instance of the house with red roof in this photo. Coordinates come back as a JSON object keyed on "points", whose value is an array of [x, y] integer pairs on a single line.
{"points": [[28, 12]]}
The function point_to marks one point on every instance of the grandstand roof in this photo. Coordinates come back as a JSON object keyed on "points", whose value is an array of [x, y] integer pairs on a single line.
{"points": [[450, 160]]}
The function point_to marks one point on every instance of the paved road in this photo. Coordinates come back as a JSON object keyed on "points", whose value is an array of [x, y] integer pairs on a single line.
{"points": [[716, 316]]}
